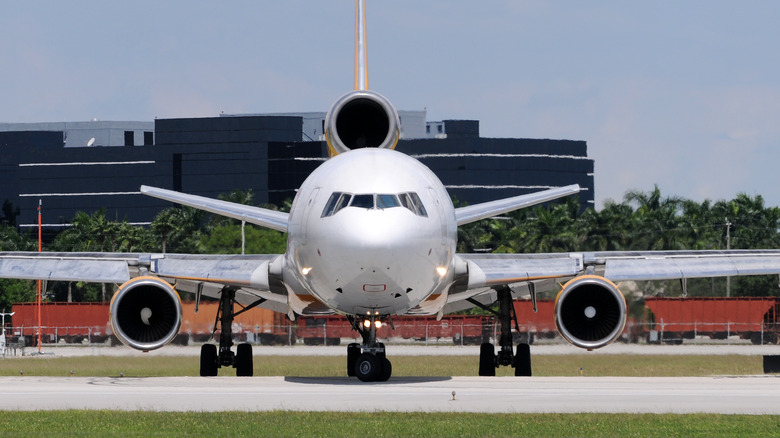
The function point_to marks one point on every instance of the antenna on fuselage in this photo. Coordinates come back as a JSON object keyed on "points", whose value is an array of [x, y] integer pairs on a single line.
{"points": [[361, 52]]}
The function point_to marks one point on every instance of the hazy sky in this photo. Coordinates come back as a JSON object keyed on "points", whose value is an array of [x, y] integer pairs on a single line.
{"points": [[682, 94]]}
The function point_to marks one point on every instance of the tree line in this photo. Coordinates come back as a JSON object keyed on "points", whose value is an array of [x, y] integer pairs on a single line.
{"points": [[176, 229], [641, 221]]}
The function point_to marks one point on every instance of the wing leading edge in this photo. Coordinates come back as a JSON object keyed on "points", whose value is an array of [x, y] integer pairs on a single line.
{"points": [[473, 213], [671, 265], [275, 220], [484, 271], [253, 275]]}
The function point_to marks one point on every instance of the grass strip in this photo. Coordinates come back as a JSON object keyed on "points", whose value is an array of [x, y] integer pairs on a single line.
{"points": [[385, 424], [330, 366]]}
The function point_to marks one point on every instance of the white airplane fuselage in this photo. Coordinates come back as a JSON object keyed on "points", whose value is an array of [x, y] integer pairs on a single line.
{"points": [[371, 248]]}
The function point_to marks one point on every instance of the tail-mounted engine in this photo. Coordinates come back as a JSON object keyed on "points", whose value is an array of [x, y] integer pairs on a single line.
{"points": [[145, 313], [361, 119], [590, 312]]}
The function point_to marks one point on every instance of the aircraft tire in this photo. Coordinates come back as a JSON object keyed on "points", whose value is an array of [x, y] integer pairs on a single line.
{"points": [[208, 360], [368, 367], [353, 351], [487, 360], [244, 363], [387, 370], [523, 360]]}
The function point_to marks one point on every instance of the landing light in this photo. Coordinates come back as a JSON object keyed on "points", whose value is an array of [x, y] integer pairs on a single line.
{"points": [[306, 270], [378, 324], [442, 271], [367, 323]]}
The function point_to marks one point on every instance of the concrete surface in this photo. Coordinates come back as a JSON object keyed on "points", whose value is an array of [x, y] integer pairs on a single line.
{"points": [[722, 395]]}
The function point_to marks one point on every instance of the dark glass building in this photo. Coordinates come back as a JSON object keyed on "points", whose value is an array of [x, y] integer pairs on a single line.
{"points": [[211, 156]]}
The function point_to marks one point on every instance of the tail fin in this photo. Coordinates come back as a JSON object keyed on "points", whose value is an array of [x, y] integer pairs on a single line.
{"points": [[361, 51], [361, 118]]}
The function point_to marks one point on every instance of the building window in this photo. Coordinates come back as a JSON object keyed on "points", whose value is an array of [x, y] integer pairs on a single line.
{"points": [[129, 138], [148, 138]]}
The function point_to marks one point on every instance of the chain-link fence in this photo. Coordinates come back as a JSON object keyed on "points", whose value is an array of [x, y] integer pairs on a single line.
{"points": [[423, 333]]}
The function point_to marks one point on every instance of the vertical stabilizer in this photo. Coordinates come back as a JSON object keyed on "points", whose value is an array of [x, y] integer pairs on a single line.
{"points": [[361, 57]]}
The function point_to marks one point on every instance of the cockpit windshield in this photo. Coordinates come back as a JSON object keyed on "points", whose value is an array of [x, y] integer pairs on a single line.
{"points": [[340, 200], [362, 201]]}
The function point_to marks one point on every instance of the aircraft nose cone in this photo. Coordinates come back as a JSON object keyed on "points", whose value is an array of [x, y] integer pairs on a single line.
{"points": [[380, 234]]}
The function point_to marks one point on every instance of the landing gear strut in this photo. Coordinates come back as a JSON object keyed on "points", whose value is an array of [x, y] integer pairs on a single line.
{"points": [[368, 361], [211, 359], [488, 360]]}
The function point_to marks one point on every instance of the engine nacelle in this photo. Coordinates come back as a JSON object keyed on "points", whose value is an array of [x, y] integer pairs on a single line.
{"points": [[361, 119], [145, 313], [590, 311]]}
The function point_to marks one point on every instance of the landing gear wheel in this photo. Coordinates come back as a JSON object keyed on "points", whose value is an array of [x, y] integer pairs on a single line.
{"points": [[368, 367], [208, 360], [353, 351], [487, 360], [523, 360], [244, 366], [387, 370]]}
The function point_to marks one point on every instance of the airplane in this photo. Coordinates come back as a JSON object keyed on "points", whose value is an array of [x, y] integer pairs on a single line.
{"points": [[371, 234]]}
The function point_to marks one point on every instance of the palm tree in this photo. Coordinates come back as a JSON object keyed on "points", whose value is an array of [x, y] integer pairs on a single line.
{"points": [[550, 230], [178, 229], [12, 240], [658, 220]]}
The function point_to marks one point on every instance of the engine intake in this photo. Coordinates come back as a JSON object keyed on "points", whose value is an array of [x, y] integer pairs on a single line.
{"points": [[361, 119], [590, 312], [145, 313]]}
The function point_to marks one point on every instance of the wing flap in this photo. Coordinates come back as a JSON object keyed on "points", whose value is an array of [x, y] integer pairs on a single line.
{"points": [[246, 271], [54, 268], [496, 269], [675, 267]]}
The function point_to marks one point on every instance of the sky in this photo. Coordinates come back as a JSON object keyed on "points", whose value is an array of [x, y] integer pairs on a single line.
{"points": [[682, 95]]}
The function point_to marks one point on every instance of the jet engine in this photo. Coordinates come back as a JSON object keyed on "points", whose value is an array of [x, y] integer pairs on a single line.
{"points": [[361, 119], [145, 313], [590, 312]]}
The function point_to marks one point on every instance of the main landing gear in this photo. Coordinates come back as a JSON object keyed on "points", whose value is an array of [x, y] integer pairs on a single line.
{"points": [[368, 361], [488, 359], [241, 360]]}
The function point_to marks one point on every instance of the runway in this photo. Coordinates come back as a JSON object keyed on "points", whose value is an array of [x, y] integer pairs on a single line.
{"points": [[723, 395]]}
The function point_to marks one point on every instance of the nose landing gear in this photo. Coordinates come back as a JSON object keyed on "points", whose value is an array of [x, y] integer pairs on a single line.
{"points": [[367, 361]]}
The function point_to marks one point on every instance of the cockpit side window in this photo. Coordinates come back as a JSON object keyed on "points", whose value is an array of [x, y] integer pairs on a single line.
{"points": [[412, 201], [336, 202], [418, 205]]}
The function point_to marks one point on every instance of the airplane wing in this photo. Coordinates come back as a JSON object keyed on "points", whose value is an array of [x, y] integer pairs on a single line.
{"points": [[473, 213], [205, 274], [90, 267], [482, 272], [276, 220]]}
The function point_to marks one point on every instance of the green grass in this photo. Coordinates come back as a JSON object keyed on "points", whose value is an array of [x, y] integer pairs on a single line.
{"points": [[382, 424], [330, 366], [415, 424]]}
